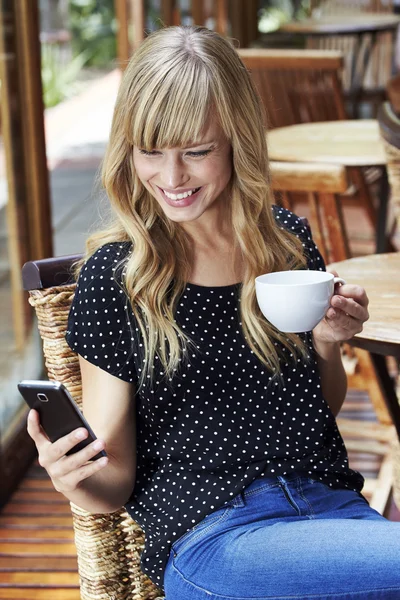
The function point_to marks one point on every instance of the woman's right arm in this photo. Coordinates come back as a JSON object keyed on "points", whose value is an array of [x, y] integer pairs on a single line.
{"points": [[103, 485]]}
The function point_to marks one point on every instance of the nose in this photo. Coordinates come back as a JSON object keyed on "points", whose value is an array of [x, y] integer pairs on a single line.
{"points": [[175, 173]]}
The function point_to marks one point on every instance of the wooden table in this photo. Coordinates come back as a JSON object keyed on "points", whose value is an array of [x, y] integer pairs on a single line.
{"points": [[344, 24], [351, 143], [359, 26], [379, 274]]}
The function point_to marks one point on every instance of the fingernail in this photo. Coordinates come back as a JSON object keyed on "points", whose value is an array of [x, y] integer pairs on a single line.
{"points": [[103, 460], [81, 434], [98, 445]]}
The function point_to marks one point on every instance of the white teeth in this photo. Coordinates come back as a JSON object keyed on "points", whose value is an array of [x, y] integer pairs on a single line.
{"points": [[179, 196]]}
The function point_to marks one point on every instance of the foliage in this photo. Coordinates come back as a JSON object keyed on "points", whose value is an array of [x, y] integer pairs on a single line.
{"points": [[58, 79], [277, 12], [93, 28]]}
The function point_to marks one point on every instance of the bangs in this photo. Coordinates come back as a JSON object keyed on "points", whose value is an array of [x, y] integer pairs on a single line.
{"points": [[171, 108]]}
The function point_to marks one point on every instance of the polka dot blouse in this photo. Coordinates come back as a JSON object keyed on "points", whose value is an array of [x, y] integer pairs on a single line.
{"points": [[222, 421]]}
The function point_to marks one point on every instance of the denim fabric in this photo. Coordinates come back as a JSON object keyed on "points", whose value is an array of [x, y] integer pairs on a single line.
{"points": [[285, 538]]}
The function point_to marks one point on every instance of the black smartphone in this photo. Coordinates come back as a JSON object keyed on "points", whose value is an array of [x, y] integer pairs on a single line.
{"points": [[58, 412]]}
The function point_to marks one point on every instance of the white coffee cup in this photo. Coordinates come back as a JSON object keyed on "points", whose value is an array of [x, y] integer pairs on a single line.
{"points": [[295, 301]]}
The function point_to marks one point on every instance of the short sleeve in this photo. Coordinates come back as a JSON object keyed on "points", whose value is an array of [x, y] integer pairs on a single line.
{"points": [[100, 318], [292, 222]]}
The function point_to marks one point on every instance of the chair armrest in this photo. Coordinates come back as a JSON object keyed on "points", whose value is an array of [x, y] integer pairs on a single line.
{"points": [[49, 272]]}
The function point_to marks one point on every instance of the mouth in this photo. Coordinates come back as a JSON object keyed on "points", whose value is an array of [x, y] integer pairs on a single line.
{"points": [[182, 198], [182, 195]]}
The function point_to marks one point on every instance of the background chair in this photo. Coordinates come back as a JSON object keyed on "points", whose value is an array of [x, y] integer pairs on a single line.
{"points": [[303, 86], [380, 61], [321, 185], [297, 86], [393, 93], [108, 545]]}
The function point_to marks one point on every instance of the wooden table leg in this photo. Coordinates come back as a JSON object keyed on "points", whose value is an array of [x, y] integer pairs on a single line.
{"points": [[381, 237], [388, 386]]}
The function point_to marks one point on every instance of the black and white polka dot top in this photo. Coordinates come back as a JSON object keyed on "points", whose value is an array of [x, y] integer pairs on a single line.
{"points": [[222, 421]]}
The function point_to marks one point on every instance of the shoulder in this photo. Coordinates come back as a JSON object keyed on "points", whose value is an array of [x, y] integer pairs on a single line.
{"points": [[288, 220], [107, 258], [296, 225], [102, 273]]}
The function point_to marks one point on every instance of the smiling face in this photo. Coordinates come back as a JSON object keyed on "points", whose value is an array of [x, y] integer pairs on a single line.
{"points": [[189, 183]]}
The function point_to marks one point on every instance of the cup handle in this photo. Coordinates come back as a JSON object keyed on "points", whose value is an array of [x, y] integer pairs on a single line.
{"points": [[338, 280]]}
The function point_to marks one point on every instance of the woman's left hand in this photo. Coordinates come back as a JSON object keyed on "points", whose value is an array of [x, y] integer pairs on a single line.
{"points": [[346, 315]]}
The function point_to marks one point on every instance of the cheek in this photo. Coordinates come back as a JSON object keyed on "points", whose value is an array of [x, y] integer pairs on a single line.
{"points": [[223, 173], [144, 170]]}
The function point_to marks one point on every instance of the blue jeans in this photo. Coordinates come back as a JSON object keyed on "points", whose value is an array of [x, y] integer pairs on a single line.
{"points": [[284, 538]]}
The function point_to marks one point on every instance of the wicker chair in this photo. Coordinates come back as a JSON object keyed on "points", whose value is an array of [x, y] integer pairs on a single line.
{"points": [[108, 545], [389, 124]]}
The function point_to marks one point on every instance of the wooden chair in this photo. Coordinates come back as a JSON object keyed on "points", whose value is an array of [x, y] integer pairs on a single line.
{"points": [[321, 186], [108, 545], [297, 86], [389, 124], [379, 68], [302, 86], [393, 93]]}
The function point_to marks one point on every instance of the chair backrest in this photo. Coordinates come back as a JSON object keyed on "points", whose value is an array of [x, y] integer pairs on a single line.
{"points": [[379, 67], [389, 124], [319, 185], [297, 86], [108, 545], [393, 93]]}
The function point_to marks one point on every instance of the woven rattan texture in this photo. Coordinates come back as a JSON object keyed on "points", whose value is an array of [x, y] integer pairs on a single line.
{"points": [[393, 169], [108, 545]]}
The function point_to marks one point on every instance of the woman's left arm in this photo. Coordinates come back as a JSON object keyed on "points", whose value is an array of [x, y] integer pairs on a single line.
{"points": [[345, 317]]}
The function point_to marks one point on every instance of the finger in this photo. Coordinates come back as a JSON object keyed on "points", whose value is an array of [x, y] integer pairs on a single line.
{"points": [[77, 460], [332, 271], [59, 449], [82, 473], [356, 292], [35, 430], [350, 307], [347, 327]]}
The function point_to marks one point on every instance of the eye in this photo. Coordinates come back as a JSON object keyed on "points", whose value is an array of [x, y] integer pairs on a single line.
{"points": [[199, 153], [148, 152]]}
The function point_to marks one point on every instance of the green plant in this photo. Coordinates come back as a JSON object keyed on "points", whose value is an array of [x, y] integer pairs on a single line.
{"points": [[58, 79], [93, 28]]}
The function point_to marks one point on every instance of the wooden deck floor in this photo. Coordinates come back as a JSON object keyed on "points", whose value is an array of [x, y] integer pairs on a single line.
{"points": [[37, 552]]}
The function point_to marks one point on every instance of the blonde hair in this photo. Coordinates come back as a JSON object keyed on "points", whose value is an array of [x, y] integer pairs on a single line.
{"points": [[164, 100]]}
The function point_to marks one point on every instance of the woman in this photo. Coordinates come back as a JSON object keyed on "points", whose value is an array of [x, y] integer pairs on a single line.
{"points": [[219, 429]]}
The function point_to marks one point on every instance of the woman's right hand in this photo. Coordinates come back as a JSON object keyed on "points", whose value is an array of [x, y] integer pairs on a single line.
{"points": [[66, 472]]}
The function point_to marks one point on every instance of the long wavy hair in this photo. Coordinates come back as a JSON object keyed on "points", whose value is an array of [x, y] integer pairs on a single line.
{"points": [[164, 101]]}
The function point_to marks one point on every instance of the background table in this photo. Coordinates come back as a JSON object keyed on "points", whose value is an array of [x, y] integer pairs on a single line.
{"points": [[379, 274], [351, 143], [341, 25]]}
